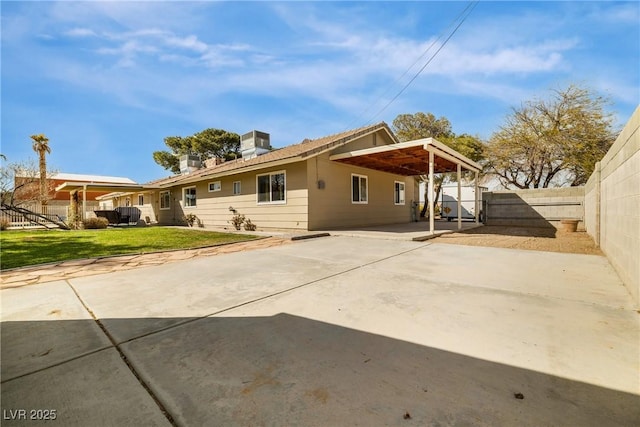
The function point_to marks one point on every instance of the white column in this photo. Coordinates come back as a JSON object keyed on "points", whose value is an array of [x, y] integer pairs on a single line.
{"points": [[431, 195], [84, 202], [459, 172], [477, 199]]}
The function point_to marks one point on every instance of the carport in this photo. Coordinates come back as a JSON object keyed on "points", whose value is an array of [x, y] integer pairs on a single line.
{"points": [[84, 187], [420, 157]]}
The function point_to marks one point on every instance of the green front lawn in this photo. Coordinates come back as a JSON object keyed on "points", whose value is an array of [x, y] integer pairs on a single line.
{"points": [[21, 248]]}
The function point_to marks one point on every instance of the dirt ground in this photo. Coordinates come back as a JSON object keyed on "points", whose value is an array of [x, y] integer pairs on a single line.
{"points": [[535, 239]]}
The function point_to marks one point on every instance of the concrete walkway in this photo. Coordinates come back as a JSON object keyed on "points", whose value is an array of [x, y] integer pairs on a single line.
{"points": [[330, 331], [92, 266], [413, 231]]}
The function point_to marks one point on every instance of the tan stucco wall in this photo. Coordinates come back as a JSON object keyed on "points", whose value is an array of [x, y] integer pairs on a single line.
{"points": [[331, 207], [368, 141], [307, 206], [147, 209], [212, 208]]}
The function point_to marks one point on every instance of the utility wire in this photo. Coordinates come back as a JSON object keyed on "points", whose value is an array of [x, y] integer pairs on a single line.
{"points": [[411, 66], [462, 16]]}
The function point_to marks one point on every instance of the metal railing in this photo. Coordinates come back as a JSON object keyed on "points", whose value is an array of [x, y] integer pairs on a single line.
{"points": [[17, 220]]}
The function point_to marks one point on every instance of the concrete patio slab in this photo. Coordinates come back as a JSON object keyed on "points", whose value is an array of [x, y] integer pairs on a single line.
{"points": [[272, 370], [373, 344], [94, 390], [195, 288], [43, 326], [558, 337], [412, 231], [342, 331], [349, 250], [586, 278]]}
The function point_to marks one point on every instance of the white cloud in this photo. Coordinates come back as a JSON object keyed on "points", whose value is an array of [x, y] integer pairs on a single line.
{"points": [[617, 13], [80, 32], [189, 42], [333, 59]]}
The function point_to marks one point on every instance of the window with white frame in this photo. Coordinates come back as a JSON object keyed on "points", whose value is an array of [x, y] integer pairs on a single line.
{"points": [[215, 186], [359, 188], [272, 187], [189, 197], [140, 199], [399, 193], [237, 188], [165, 200]]}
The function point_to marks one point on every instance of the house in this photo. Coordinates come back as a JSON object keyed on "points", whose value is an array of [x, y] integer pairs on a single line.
{"points": [[356, 178]]}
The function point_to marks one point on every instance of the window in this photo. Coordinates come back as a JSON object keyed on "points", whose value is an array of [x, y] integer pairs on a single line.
{"points": [[272, 187], [359, 188], [140, 199], [399, 193], [237, 188], [215, 186], [189, 197], [165, 200]]}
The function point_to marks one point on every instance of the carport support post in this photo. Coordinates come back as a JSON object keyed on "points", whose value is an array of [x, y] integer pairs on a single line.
{"points": [[476, 200], [431, 195], [84, 202], [459, 176]]}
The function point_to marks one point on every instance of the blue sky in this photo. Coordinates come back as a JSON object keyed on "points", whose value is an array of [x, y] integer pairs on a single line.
{"points": [[107, 81]]}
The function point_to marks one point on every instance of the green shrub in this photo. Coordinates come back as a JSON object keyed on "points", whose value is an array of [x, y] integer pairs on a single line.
{"points": [[92, 223]]}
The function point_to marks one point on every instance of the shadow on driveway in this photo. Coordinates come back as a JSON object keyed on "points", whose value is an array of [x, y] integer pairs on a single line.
{"points": [[284, 370]]}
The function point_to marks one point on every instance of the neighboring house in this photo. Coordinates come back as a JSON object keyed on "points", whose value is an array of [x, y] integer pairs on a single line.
{"points": [[57, 198], [357, 178]]}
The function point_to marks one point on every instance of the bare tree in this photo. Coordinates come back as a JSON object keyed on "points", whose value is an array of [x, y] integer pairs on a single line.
{"points": [[20, 183], [552, 142], [20, 190]]}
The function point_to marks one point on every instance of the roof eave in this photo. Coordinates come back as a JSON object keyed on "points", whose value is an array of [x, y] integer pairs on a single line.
{"points": [[222, 174]]}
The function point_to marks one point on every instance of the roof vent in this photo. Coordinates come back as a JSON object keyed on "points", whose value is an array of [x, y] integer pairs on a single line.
{"points": [[189, 163], [254, 143]]}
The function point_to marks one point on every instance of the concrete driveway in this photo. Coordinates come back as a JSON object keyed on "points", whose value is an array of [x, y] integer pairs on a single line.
{"points": [[329, 332]]}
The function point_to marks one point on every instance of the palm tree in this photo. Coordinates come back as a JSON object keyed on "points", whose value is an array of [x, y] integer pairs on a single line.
{"points": [[41, 146]]}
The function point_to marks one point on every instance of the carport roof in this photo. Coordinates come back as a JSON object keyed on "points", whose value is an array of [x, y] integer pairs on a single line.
{"points": [[408, 158], [101, 186]]}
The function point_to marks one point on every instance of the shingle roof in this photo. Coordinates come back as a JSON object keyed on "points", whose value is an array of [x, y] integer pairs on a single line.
{"points": [[306, 148]]}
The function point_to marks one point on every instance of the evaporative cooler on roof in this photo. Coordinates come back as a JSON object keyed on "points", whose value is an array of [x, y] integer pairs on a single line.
{"points": [[254, 143]]}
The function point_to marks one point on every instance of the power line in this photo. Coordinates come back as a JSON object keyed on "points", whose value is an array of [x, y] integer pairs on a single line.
{"points": [[462, 16]]}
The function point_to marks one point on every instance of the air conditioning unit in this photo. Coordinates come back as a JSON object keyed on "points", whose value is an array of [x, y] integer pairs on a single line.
{"points": [[189, 163], [254, 143]]}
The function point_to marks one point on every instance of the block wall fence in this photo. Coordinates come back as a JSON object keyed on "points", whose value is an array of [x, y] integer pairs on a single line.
{"points": [[608, 206], [612, 205]]}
